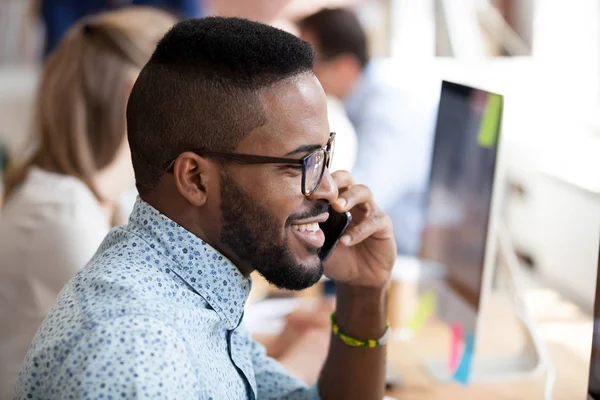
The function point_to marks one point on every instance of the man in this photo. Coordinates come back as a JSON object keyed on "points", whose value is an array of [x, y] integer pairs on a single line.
{"points": [[394, 126], [230, 144]]}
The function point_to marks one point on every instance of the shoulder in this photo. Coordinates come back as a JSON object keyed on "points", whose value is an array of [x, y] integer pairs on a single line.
{"points": [[60, 203], [138, 356], [50, 229], [124, 278], [393, 101]]}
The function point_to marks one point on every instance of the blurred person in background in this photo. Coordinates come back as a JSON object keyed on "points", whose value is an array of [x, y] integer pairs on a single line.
{"points": [[59, 15], [157, 311], [394, 126], [60, 205]]}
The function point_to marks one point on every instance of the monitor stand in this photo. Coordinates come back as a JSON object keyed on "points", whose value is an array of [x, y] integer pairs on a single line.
{"points": [[533, 359]]}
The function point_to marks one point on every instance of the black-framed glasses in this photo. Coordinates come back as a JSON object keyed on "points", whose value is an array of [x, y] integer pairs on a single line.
{"points": [[313, 164]]}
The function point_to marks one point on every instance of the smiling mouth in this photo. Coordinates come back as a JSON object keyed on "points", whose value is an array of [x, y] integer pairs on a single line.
{"points": [[310, 221], [309, 232], [309, 228]]}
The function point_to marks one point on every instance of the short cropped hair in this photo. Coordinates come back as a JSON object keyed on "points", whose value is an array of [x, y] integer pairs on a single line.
{"points": [[337, 31], [200, 89]]}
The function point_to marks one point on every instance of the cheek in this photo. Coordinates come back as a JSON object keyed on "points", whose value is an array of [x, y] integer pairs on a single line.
{"points": [[275, 193], [282, 201]]}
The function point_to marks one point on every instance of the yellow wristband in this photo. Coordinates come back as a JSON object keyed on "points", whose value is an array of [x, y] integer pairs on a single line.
{"points": [[350, 341]]}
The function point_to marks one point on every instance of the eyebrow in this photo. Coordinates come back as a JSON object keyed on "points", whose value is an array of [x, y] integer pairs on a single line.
{"points": [[307, 148]]}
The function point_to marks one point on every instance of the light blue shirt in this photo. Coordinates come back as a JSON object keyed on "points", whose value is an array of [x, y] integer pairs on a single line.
{"points": [[395, 128], [155, 314]]}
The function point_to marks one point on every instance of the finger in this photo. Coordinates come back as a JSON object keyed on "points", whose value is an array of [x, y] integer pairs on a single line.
{"points": [[378, 225], [343, 179], [354, 196]]}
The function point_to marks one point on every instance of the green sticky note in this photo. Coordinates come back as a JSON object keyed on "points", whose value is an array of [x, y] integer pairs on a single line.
{"points": [[424, 311], [490, 124]]}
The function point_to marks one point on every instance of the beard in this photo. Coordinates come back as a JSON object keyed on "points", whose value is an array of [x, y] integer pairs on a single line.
{"points": [[252, 233]]}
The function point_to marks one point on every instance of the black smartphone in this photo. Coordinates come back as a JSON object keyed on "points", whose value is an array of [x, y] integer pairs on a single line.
{"points": [[333, 228]]}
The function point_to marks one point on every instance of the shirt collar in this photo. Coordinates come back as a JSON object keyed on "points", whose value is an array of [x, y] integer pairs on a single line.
{"points": [[208, 272]]}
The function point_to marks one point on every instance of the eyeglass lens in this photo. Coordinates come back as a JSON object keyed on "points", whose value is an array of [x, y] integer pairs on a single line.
{"points": [[314, 171]]}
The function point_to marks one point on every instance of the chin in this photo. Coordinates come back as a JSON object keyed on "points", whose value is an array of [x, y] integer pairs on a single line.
{"points": [[309, 263], [310, 260], [303, 254], [295, 275]]}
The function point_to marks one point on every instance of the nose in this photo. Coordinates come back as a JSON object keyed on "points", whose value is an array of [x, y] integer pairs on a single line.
{"points": [[327, 189]]}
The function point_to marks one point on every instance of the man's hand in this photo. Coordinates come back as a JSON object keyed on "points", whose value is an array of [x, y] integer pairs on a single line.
{"points": [[367, 251], [361, 265]]}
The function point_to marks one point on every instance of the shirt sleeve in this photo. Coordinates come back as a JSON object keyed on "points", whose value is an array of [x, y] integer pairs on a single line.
{"points": [[395, 136], [272, 381], [344, 154], [393, 149], [129, 357]]}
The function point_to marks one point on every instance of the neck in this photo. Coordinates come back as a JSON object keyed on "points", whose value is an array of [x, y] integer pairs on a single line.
{"points": [[201, 223]]}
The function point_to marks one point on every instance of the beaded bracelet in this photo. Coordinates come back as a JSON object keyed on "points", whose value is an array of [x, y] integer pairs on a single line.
{"points": [[350, 341]]}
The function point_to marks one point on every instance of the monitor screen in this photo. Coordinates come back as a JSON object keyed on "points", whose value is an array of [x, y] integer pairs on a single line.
{"points": [[594, 379], [461, 183]]}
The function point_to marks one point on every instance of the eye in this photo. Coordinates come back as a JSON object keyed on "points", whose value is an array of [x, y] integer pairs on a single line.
{"points": [[291, 170]]}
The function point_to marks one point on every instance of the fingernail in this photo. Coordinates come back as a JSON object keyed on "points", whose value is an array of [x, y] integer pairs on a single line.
{"points": [[346, 239], [341, 202]]}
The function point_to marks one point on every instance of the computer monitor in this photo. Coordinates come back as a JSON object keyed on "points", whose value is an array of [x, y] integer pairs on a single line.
{"points": [[460, 200], [594, 377]]}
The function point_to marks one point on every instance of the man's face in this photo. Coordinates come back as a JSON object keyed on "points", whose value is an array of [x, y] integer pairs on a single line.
{"points": [[266, 220]]}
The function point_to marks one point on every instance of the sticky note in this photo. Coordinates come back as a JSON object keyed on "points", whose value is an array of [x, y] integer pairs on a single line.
{"points": [[461, 374], [490, 123], [457, 337], [424, 311]]}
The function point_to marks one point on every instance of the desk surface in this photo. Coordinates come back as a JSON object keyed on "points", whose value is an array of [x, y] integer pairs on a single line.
{"points": [[565, 330]]}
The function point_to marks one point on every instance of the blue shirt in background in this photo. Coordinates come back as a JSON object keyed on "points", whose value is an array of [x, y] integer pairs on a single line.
{"points": [[395, 129], [155, 314], [60, 15]]}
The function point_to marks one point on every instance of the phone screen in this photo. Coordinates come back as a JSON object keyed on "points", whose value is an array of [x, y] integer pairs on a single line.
{"points": [[333, 228]]}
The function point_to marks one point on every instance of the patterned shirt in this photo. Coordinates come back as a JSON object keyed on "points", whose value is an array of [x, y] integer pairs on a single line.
{"points": [[155, 314]]}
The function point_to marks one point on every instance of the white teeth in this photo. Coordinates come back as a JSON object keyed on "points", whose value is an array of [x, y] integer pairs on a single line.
{"points": [[311, 228]]}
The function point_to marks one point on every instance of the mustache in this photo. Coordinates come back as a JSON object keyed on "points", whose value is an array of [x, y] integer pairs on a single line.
{"points": [[317, 210]]}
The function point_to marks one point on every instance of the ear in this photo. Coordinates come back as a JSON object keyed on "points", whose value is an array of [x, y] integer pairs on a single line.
{"points": [[194, 177]]}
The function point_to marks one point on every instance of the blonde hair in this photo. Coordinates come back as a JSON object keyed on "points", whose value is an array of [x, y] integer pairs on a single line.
{"points": [[82, 97]]}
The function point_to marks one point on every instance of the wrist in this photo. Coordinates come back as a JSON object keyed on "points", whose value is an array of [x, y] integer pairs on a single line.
{"points": [[361, 311]]}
